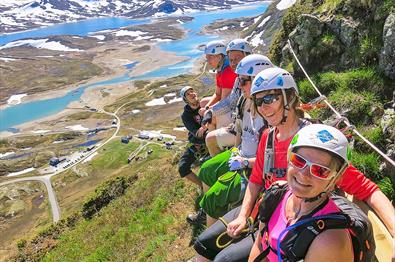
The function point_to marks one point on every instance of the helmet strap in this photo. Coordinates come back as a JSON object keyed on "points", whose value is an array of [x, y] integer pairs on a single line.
{"points": [[286, 107]]}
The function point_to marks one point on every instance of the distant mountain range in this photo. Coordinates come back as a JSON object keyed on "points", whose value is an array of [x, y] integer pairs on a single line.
{"points": [[26, 14]]}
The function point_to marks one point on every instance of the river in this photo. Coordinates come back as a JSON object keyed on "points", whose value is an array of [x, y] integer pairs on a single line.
{"points": [[25, 112]]}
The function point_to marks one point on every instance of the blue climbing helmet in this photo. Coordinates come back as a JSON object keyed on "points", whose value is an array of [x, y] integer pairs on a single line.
{"points": [[239, 45], [273, 78], [253, 64], [215, 47]]}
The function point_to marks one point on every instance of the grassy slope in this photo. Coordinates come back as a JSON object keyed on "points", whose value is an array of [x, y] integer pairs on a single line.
{"points": [[147, 222]]}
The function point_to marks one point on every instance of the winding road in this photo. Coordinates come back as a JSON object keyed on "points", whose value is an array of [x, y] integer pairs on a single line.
{"points": [[46, 179]]}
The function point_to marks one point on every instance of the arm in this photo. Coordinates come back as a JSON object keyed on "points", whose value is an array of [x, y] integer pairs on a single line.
{"points": [[229, 103], [225, 92], [355, 183], [331, 245], [236, 226], [383, 208], [215, 98]]}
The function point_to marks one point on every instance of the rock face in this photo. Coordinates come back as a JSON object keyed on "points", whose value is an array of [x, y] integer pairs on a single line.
{"points": [[351, 35], [387, 56]]}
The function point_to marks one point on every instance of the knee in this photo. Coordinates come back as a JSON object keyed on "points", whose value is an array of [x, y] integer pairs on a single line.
{"points": [[202, 249], [184, 169], [211, 138]]}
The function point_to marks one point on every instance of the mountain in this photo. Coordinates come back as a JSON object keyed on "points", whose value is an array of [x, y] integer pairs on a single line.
{"points": [[27, 14]]}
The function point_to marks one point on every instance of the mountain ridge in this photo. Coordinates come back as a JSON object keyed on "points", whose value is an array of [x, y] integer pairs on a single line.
{"points": [[27, 14]]}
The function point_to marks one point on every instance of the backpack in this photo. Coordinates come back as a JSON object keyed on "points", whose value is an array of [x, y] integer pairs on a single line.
{"points": [[300, 235]]}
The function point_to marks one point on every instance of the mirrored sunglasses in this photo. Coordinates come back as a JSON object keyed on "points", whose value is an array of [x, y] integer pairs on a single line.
{"points": [[319, 171], [267, 99]]}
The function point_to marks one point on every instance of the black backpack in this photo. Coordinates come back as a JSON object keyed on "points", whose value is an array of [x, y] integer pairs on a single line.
{"points": [[299, 236]]}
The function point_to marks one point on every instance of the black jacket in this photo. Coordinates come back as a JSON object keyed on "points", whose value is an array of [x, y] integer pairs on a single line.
{"points": [[192, 121]]}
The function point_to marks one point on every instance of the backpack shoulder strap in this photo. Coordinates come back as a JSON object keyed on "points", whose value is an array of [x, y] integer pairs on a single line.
{"points": [[271, 200], [268, 163]]}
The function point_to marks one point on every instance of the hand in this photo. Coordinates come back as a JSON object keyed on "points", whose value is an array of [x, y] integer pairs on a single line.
{"points": [[236, 226], [236, 163], [201, 111], [208, 117], [201, 131]]}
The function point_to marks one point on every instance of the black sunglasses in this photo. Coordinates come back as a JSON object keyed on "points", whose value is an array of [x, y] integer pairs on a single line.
{"points": [[243, 81], [267, 99]]}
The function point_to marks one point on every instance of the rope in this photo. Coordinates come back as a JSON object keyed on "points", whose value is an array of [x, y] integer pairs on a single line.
{"points": [[248, 230], [389, 160]]}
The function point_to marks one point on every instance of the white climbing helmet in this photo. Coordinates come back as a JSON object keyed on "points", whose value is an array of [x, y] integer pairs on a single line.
{"points": [[215, 47], [253, 64], [273, 78], [239, 45], [183, 92], [323, 137]]}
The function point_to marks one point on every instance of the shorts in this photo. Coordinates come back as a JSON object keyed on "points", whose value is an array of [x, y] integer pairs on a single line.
{"points": [[224, 120], [186, 161], [238, 251], [224, 138], [213, 168]]}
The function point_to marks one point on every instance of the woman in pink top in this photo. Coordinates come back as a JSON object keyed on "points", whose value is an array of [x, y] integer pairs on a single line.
{"points": [[317, 157]]}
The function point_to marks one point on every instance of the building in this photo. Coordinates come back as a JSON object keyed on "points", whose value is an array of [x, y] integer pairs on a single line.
{"points": [[54, 161]]}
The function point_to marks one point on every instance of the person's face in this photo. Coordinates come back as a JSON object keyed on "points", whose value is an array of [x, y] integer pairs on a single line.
{"points": [[300, 176], [234, 58], [271, 107], [245, 84], [214, 60], [191, 96]]}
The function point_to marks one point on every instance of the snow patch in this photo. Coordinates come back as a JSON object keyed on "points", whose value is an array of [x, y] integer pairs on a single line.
{"points": [[6, 154], [285, 4], [40, 131], [27, 170], [264, 21], [15, 99], [136, 111], [6, 59], [100, 37], [129, 33], [156, 102], [175, 100], [182, 129], [77, 128], [40, 43], [256, 40]]}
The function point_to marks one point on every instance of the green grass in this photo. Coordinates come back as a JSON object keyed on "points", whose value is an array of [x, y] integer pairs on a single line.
{"points": [[115, 154], [387, 187], [368, 164], [139, 226], [329, 6]]}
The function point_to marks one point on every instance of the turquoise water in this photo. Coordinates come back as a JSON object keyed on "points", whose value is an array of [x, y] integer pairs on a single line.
{"points": [[25, 112]]}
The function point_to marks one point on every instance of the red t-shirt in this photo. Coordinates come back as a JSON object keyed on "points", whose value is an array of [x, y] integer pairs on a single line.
{"points": [[226, 78], [352, 182]]}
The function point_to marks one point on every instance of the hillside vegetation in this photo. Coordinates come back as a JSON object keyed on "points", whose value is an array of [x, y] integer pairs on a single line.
{"points": [[139, 213]]}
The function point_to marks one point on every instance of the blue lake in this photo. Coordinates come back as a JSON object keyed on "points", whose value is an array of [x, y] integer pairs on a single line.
{"points": [[186, 47]]}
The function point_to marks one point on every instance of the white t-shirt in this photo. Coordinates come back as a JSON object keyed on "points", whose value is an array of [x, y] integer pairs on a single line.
{"points": [[250, 126]]}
